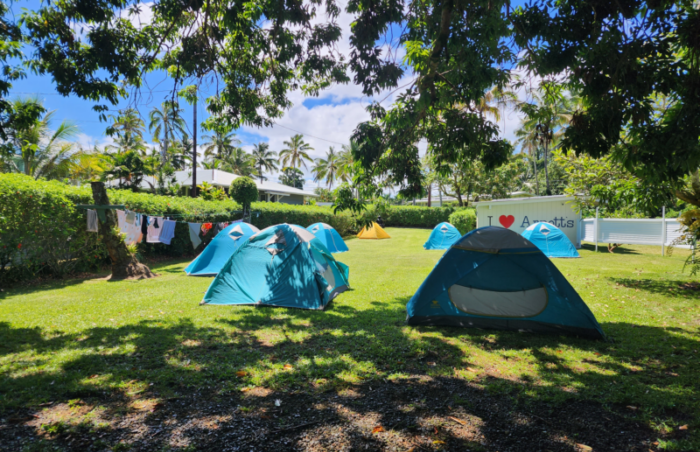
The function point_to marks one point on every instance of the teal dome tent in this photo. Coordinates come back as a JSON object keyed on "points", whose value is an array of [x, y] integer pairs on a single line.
{"points": [[329, 237], [442, 237], [551, 240], [282, 265], [216, 254], [495, 278]]}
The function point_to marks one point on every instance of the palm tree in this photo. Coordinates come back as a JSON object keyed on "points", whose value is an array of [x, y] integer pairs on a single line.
{"points": [[264, 158], [346, 162], [295, 154], [239, 162], [526, 137], [127, 124], [38, 151], [327, 168], [214, 164], [127, 143], [550, 111], [88, 165], [220, 145], [166, 122]]}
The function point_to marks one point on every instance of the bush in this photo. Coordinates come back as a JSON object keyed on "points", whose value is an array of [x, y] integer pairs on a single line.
{"points": [[43, 233], [41, 230], [411, 216], [244, 191], [266, 214], [464, 220]]}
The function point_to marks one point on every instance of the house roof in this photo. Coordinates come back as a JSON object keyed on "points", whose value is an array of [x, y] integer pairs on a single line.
{"points": [[224, 179], [532, 199]]}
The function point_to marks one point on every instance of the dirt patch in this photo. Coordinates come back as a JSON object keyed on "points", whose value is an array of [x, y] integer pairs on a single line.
{"points": [[414, 414]]}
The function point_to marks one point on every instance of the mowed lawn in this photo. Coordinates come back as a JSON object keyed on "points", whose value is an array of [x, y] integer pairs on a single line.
{"points": [[141, 344]]}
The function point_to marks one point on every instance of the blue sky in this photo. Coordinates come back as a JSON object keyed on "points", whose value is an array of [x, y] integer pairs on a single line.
{"points": [[327, 120]]}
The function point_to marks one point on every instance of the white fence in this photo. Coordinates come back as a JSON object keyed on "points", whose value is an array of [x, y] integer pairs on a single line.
{"points": [[654, 231]]}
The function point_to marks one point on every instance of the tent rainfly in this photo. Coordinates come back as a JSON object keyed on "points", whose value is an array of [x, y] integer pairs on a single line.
{"points": [[442, 237], [374, 232], [495, 278], [551, 240], [329, 237], [220, 249], [283, 265]]}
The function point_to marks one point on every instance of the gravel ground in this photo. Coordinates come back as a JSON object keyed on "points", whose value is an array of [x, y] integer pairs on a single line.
{"points": [[417, 414]]}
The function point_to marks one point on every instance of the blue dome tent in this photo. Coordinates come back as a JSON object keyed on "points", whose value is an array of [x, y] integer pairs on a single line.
{"points": [[282, 265], [329, 237], [442, 237], [495, 278], [551, 240], [212, 259]]}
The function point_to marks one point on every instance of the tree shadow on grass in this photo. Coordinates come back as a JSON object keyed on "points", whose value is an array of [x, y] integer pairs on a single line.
{"points": [[603, 248], [339, 374], [659, 286]]}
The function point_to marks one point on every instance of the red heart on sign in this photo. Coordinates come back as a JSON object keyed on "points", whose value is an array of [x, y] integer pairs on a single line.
{"points": [[506, 221]]}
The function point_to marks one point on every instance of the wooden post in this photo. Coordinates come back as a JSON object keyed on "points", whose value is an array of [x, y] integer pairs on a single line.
{"points": [[124, 265], [663, 230], [596, 230]]}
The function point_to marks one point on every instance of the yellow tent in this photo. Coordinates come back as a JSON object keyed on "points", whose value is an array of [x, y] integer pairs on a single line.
{"points": [[375, 232]]}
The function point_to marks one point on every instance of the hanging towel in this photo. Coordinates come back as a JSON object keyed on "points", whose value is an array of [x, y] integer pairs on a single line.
{"points": [[121, 220], [144, 225], [167, 231], [194, 234], [92, 220], [154, 230], [133, 231]]}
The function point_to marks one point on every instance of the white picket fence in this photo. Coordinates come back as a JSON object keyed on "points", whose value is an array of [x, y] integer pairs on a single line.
{"points": [[648, 231]]}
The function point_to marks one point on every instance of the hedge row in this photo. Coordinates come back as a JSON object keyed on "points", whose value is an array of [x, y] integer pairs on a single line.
{"points": [[42, 232]]}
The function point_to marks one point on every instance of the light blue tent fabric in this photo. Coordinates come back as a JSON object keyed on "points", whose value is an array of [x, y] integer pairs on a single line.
{"points": [[329, 237], [220, 249], [495, 278], [551, 240], [282, 265], [442, 237]]}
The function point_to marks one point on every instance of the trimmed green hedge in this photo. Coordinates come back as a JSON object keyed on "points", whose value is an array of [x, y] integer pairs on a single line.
{"points": [[464, 220], [43, 233]]}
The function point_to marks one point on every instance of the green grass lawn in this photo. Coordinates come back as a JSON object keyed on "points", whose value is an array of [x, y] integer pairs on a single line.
{"points": [[77, 339]]}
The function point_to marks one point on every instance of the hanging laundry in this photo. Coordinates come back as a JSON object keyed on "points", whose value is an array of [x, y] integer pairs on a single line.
{"points": [[92, 220], [153, 235], [194, 234], [206, 227], [167, 231], [121, 220], [219, 227], [144, 224], [130, 217], [133, 230]]}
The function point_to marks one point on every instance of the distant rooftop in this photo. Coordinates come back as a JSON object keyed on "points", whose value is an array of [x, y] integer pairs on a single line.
{"points": [[224, 179]]}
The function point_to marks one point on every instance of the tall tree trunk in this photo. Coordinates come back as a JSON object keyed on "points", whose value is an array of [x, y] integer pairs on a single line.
{"points": [[124, 265], [430, 191], [194, 150], [537, 181], [546, 172]]}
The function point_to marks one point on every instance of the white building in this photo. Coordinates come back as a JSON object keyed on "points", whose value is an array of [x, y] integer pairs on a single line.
{"points": [[518, 214], [269, 191]]}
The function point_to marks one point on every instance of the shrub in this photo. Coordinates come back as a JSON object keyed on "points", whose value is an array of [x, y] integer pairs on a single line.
{"points": [[41, 230], [464, 220], [411, 216], [266, 214], [244, 191]]}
